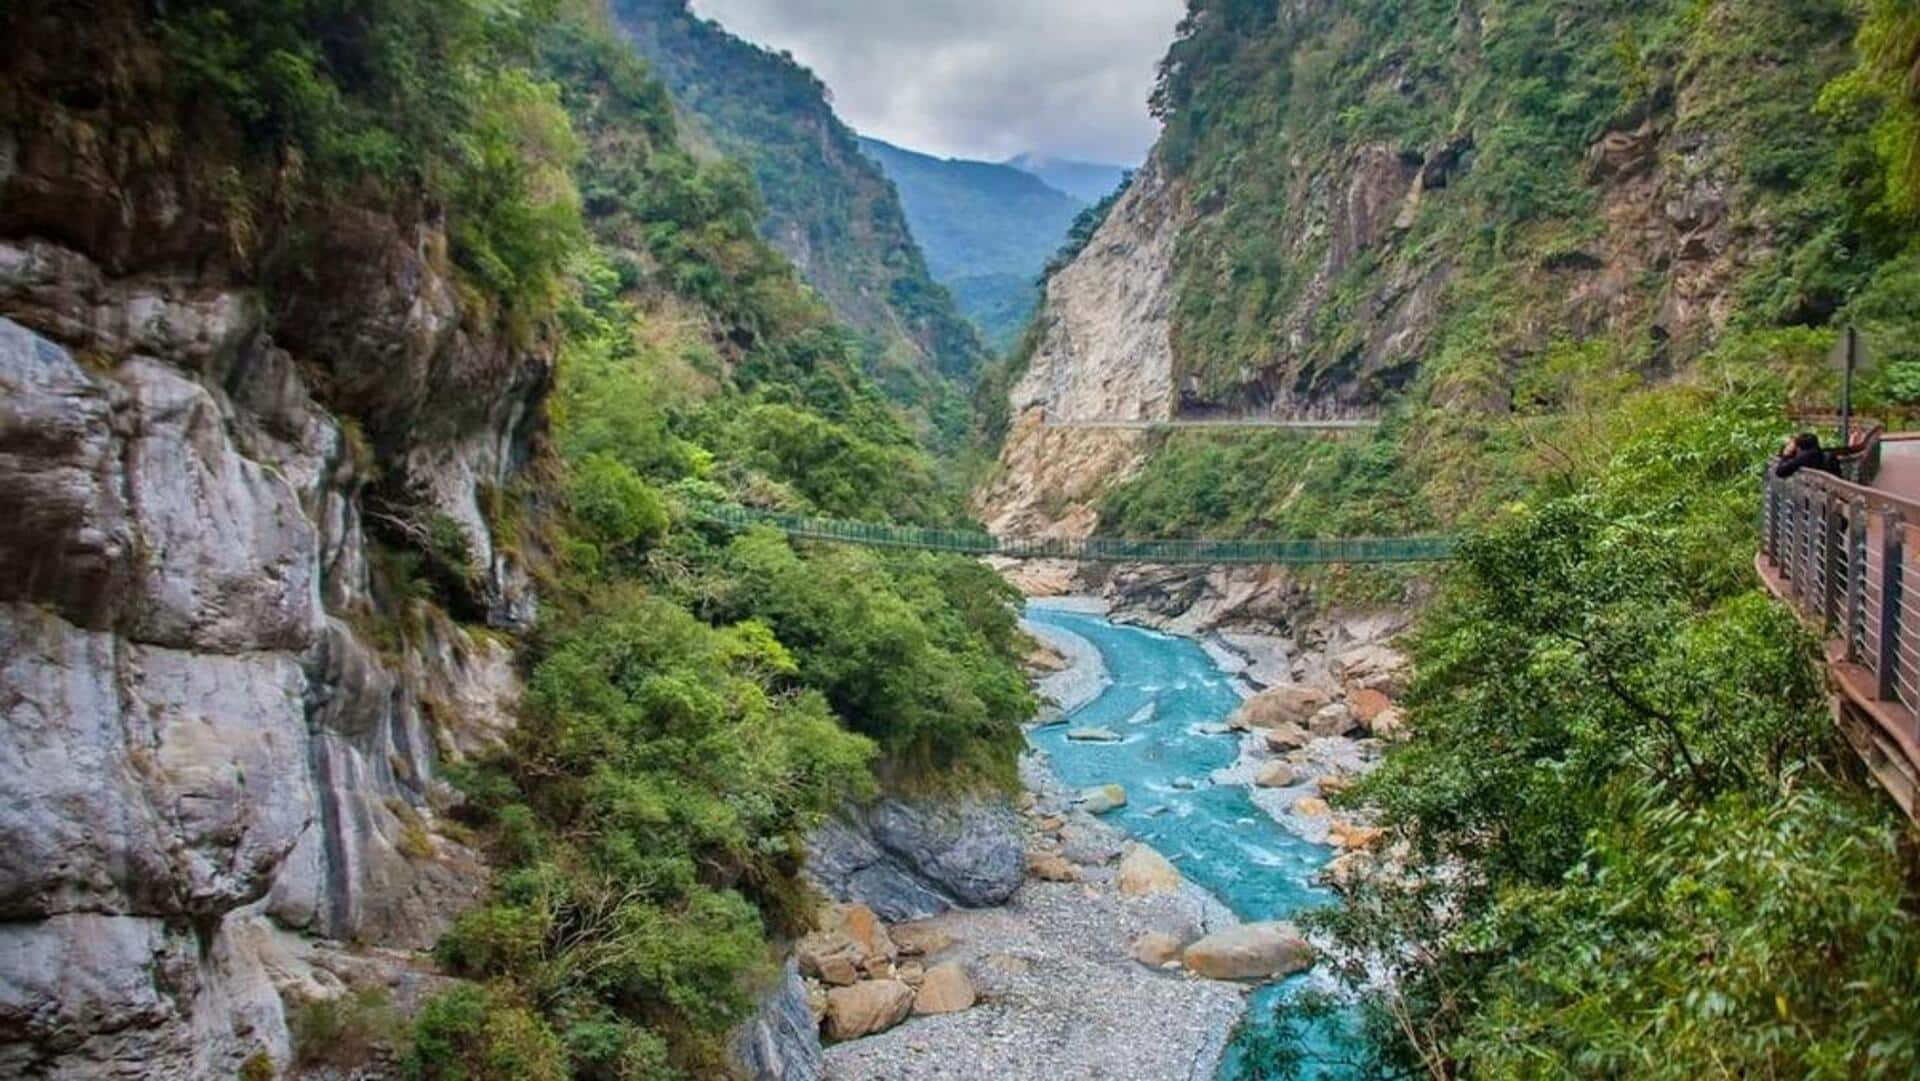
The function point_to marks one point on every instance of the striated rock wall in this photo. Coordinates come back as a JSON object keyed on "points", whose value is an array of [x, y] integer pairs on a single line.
{"points": [[910, 860], [781, 1042], [220, 734]]}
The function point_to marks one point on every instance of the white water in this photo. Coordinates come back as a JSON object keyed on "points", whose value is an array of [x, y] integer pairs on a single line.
{"points": [[1162, 689]]}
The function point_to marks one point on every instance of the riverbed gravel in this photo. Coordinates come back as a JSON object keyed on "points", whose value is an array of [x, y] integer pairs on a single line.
{"points": [[1061, 997]]}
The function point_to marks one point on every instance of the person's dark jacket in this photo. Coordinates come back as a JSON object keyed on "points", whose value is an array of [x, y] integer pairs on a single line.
{"points": [[1818, 459]]}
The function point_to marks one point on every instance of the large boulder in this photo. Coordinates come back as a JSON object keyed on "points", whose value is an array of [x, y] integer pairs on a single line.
{"points": [[944, 988], [1144, 871], [1287, 737], [1331, 721], [1367, 704], [1251, 951], [1289, 703], [920, 939], [1278, 775], [830, 957], [867, 1008], [1102, 798], [1351, 835], [912, 860], [1090, 845], [860, 924], [1372, 667], [1052, 867]]}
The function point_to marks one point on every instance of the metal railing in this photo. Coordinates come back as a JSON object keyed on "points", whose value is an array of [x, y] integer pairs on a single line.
{"points": [[1096, 549], [1847, 557]]}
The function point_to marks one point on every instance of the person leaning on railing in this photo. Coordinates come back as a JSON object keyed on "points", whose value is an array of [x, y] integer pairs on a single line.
{"points": [[1804, 451]]}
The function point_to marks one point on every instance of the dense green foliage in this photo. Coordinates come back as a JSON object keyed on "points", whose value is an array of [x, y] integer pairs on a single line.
{"points": [[987, 230], [828, 206], [1273, 484], [1001, 305], [1512, 96], [1513, 353], [1630, 849], [697, 701], [1888, 80]]}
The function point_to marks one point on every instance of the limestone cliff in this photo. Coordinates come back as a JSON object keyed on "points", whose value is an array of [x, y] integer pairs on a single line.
{"points": [[1103, 352], [222, 716]]}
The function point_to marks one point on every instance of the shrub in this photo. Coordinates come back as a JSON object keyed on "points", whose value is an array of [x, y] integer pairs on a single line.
{"points": [[615, 507], [473, 1034], [345, 1032]]}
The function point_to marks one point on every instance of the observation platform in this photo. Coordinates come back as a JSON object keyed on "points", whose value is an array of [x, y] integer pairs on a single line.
{"points": [[1846, 556]]}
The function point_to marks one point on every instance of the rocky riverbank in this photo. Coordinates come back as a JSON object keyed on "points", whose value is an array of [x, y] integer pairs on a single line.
{"points": [[1060, 991], [1069, 672], [1046, 970]]}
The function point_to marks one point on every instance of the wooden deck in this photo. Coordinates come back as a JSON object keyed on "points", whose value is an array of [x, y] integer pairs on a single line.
{"points": [[1847, 558]]}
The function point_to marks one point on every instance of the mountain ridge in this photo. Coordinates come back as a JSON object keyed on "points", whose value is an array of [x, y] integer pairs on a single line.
{"points": [[828, 207], [1087, 181], [988, 230]]}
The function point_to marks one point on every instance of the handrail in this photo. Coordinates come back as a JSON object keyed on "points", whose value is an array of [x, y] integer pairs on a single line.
{"points": [[1846, 556], [1330, 424], [1092, 549]]}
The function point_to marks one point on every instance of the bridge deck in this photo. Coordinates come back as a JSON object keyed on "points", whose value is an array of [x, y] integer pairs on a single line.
{"points": [[1092, 549], [1847, 558]]}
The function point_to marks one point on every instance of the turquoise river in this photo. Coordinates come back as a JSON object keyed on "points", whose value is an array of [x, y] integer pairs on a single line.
{"points": [[1163, 690]]}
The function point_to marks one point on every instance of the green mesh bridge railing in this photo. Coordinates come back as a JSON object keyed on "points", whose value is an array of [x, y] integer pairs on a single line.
{"points": [[1096, 549]]}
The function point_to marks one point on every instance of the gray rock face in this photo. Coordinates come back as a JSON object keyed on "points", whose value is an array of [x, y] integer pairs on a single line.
{"points": [[909, 861], [85, 995], [1105, 352], [195, 740], [782, 1041]]}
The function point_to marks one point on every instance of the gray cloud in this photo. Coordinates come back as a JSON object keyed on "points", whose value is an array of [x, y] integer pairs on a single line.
{"points": [[977, 78]]}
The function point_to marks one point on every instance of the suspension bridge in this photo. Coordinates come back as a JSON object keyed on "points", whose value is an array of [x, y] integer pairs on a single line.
{"points": [[1251, 420], [1092, 549]]}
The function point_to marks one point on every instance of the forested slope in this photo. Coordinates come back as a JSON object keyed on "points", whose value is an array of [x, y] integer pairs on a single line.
{"points": [[988, 230], [1583, 258], [827, 206]]}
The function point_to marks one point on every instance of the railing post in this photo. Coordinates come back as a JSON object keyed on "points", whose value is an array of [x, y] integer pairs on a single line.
{"points": [[1809, 585], [1886, 645], [1797, 553], [1788, 536], [1856, 577], [1770, 517], [1833, 561]]}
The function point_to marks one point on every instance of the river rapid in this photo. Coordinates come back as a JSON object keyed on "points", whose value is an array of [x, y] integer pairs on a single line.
{"points": [[1168, 700]]}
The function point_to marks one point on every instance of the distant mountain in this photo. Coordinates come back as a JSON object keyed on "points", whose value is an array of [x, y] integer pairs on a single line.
{"points": [[987, 230], [1086, 181], [829, 208]]}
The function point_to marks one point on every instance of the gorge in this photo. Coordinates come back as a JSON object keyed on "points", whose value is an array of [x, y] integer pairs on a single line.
{"points": [[377, 700]]}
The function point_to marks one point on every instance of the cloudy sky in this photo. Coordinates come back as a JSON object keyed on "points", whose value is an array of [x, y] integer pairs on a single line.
{"points": [[977, 78]]}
